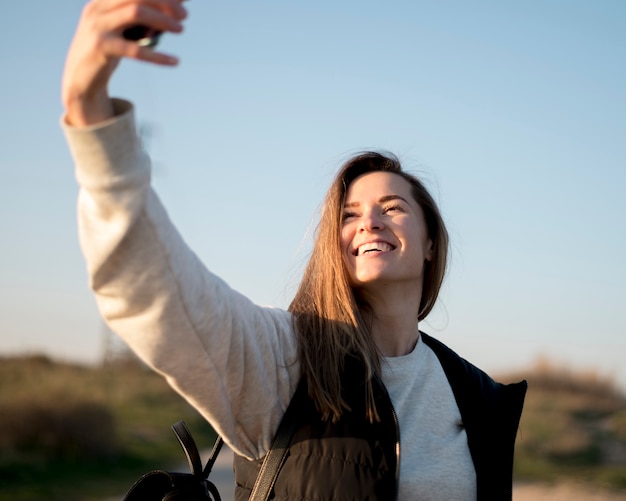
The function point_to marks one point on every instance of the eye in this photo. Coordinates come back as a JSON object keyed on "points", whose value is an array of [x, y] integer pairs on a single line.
{"points": [[392, 208], [348, 215]]}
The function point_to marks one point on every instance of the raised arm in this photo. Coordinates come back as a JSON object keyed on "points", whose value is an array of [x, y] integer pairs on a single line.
{"points": [[233, 360]]}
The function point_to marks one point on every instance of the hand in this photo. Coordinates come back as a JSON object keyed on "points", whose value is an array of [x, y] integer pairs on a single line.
{"points": [[98, 46]]}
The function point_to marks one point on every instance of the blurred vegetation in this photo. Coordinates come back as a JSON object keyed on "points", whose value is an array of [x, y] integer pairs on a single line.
{"points": [[573, 427], [87, 433], [83, 433]]}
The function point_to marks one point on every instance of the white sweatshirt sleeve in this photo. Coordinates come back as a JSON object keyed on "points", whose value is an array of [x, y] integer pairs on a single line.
{"points": [[234, 361]]}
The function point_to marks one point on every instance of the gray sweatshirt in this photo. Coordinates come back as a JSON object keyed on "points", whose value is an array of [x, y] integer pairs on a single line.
{"points": [[234, 361]]}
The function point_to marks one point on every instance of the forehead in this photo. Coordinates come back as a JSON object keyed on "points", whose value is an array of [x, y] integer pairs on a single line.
{"points": [[378, 184]]}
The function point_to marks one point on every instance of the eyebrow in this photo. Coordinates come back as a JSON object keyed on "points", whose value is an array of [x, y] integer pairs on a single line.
{"points": [[383, 199]]}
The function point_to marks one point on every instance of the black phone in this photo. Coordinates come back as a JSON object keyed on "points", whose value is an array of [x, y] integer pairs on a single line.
{"points": [[144, 36]]}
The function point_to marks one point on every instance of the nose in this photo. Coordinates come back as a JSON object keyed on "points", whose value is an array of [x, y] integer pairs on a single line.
{"points": [[371, 222]]}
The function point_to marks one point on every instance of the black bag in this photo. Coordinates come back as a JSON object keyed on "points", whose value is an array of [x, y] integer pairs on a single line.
{"points": [[160, 485]]}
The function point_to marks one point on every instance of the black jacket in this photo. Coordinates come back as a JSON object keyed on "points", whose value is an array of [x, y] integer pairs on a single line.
{"points": [[353, 459]]}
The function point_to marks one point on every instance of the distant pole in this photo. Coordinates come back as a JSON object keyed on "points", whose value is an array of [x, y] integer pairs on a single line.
{"points": [[115, 350]]}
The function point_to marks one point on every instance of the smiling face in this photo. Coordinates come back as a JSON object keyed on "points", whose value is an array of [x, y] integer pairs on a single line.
{"points": [[383, 236]]}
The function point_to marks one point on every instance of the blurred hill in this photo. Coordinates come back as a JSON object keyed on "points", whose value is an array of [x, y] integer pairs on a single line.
{"points": [[86, 433], [573, 427]]}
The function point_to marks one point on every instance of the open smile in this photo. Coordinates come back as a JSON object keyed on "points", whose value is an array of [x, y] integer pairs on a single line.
{"points": [[373, 248]]}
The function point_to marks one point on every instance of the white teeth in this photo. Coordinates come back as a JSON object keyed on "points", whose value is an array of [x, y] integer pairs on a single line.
{"points": [[374, 246]]}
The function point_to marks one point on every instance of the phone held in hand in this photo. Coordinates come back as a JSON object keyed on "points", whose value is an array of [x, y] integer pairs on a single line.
{"points": [[144, 36]]}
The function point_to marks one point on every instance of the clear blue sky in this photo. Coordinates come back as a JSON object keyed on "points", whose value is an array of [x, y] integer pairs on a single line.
{"points": [[514, 113]]}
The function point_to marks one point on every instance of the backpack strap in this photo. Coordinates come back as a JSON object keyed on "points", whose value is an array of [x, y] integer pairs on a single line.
{"points": [[193, 458], [277, 454], [189, 446], [272, 463], [217, 447], [191, 450]]}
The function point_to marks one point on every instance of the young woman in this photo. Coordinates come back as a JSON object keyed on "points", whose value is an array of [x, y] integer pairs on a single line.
{"points": [[383, 410]]}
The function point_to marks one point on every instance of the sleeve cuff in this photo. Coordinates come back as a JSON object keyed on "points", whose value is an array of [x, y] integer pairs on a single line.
{"points": [[109, 153]]}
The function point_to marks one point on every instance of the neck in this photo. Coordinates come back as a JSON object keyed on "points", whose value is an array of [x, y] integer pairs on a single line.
{"points": [[394, 323]]}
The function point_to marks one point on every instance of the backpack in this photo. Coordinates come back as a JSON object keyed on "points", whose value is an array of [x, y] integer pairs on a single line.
{"points": [[161, 485]]}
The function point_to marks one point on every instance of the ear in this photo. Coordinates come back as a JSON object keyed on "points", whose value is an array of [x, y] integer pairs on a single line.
{"points": [[428, 255]]}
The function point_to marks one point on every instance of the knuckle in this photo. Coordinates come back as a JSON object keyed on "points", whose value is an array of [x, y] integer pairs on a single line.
{"points": [[90, 11], [135, 10]]}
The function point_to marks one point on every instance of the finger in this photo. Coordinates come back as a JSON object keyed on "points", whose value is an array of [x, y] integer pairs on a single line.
{"points": [[138, 14], [103, 18], [173, 8], [118, 47]]}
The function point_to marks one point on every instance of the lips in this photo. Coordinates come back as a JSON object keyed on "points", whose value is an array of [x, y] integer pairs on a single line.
{"points": [[373, 248]]}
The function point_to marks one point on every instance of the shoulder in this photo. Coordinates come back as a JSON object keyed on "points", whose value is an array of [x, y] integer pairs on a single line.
{"points": [[471, 385]]}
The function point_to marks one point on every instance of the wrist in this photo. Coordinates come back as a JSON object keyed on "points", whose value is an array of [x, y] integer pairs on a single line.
{"points": [[82, 110]]}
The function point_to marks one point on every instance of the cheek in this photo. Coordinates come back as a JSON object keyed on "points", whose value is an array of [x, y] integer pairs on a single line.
{"points": [[347, 234]]}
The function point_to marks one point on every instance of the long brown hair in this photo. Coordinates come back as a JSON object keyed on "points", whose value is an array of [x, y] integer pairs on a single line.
{"points": [[331, 321]]}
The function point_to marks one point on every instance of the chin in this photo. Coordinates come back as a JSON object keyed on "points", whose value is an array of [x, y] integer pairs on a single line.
{"points": [[364, 280]]}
